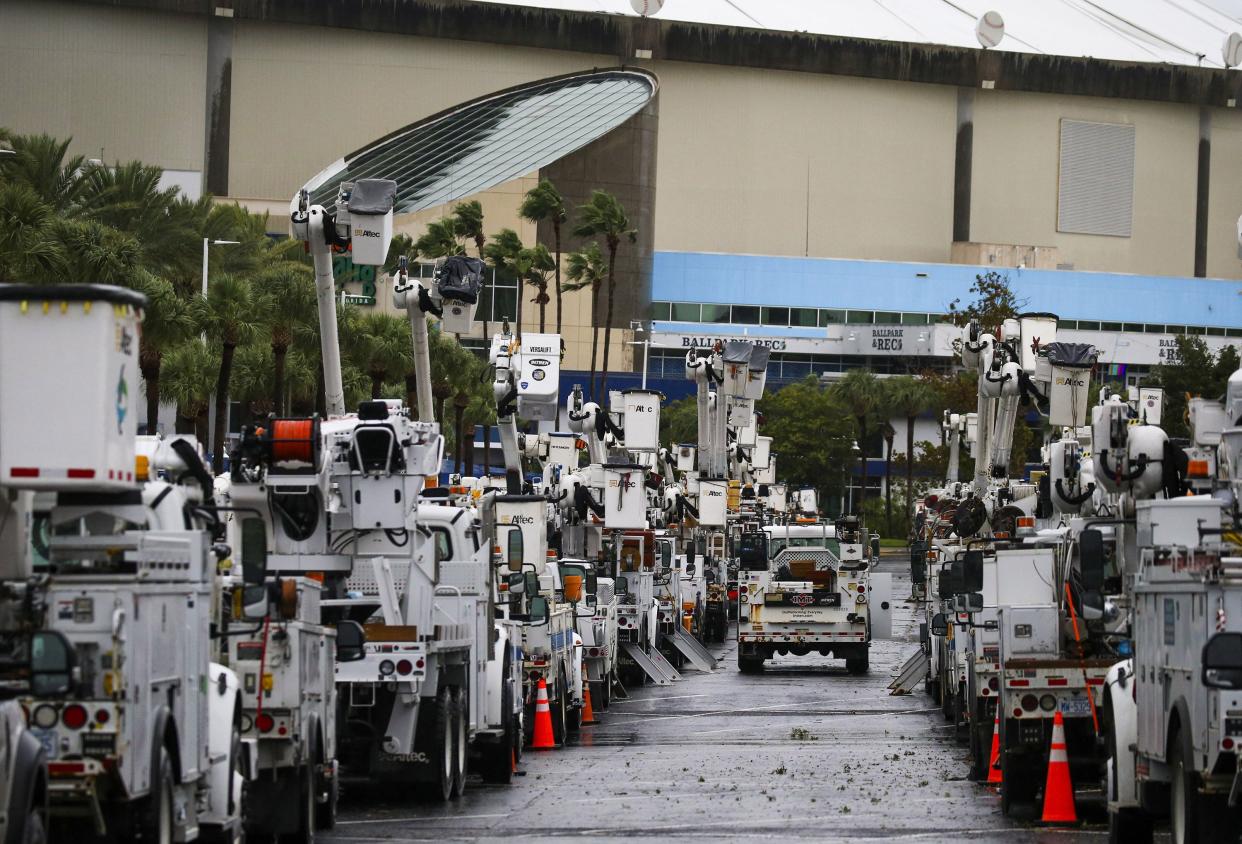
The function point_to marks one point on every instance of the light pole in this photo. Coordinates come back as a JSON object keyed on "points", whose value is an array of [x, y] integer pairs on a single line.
{"points": [[849, 481], [209, 242]]}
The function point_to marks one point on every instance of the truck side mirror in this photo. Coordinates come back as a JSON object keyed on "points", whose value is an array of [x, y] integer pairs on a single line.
{"points": [[517, 585], [53, 664], [513, 550], [1091, 560], [1222, 661], [939, 625], [972, 571], [253, 552], [254, 602], [875, 547], [350, 641], [620, 587], [538, 610], [918, 563], [969, 602]]}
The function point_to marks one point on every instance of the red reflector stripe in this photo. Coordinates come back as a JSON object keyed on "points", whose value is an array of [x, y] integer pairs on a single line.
{"points": [[23, 472], [60, 768], [81, 473], [1057, 681], [1095, 681], [1019, 682]]}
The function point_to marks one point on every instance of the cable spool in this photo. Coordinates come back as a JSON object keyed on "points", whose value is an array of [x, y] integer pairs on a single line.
{"points": [[288, 603], [294, 440]]}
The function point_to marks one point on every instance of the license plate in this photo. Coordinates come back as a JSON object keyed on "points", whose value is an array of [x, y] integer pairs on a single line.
{"points": [[47, 738], [1075, 707]]}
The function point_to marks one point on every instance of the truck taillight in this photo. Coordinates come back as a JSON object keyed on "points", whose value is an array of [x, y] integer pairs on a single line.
{"points": [[102, 716], [265, 723], [73, 716], [404, 666]]}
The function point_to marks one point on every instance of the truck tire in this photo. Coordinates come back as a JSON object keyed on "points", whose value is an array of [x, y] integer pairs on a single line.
{"points": [[558, 712], [33, 832], [305, 832], [155, 822], [496, 761], [933, 689], [858, 664], [325, 812], [978, 754], [1125, 826], [439, 747], [1018, 785], [461, 740], [749, 665]]}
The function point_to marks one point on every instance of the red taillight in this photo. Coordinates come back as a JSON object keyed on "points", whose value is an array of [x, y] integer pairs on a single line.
{"points": [[73, 716], [1029, 702], [419, 663], [593, 652], [1019, 683], [404, 666], [102, 716], [1058, 681], [66, 768], [1226, 743], [732, 594], [80, 474], [265, 723], [993, 683], [1017, 712]]}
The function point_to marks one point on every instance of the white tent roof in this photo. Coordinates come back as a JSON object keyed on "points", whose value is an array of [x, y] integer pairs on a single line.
{"points": [[1184, 32]]}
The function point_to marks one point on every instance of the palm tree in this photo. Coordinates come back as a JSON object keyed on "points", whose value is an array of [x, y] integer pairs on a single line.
{"points": [[587, 269], [544, 202], [507, 256], [402, 246], [188, 374], [538, 262], [287, 300], [910, 397], [229, 316], [166, 322], [439, 240], [42, 163], [382, 345], [604, 216], [31, 250], [468, 223], [251, 381], [859, 391]]}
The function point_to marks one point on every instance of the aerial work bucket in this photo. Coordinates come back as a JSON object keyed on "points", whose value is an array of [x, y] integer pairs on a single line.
{"points": [[736, 360], [459, 280], [370, 220], [642, 419], [713, 502], [1070, 365], [625, 497]]}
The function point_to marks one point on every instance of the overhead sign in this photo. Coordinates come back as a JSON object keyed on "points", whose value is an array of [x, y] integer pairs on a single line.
{"points": [[886, 340]]}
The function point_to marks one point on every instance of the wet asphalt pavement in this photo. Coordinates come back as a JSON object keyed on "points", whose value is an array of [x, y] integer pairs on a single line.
{"points": [[802, 751]]}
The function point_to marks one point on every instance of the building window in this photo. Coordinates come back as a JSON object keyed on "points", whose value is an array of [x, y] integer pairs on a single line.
{"points": [[830, 317], [715, 313], [745, 314], [1233, 332], [1153, 329], [685, 312], [498, 299], [661, 310], [1175, 329], [776, 316], [1135, 327], [1067, 324], [886, 318], [1088, 325], [806, 317], [1095, 192], [1110, 326], [859, 317], [1216, 332], [1197, 330], [914, 319]]}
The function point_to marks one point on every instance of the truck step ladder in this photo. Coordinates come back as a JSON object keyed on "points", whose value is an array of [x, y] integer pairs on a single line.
{"points": [[654, 664], [911, 673], [692, 650]]}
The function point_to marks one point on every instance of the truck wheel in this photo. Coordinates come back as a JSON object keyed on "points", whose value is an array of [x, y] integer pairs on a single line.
{"points": [[1018, 785], [1183, 795], [33, 832], [325, 812], [440, 749], [933, 689], [749, 665], [497, 760], [156, 821], [859, 664], [1127, 826], [305, 833], [558, 712], [461, 740], [978, 756]]}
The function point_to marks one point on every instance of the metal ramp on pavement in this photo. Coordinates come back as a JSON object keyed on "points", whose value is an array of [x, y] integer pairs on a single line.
{"points": [[910, 675], [653, 664], [693, 650]]}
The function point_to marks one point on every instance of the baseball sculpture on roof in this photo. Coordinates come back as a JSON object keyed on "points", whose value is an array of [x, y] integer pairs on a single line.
{"points": [[990, 29], [647, 7]]}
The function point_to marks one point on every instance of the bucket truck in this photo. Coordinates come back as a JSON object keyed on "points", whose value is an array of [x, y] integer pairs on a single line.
{"points": [[1171, 710], [107, 643]]}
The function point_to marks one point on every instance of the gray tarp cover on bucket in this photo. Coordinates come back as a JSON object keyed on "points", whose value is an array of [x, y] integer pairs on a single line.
{"points": [[372, 196], [737, 351], [1072, 355], [460, 278], [759, 358]]}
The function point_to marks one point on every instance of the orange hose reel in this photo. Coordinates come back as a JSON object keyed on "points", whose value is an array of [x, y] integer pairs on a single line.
{"points": [[293, 440]]}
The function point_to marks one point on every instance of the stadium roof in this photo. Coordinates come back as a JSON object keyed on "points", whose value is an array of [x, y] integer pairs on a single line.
{"points": [[1179, 32], [492, 139]]}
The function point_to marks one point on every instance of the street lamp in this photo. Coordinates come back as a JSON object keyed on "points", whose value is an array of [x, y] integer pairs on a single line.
{"points": [[855, 451], [209, 242]]}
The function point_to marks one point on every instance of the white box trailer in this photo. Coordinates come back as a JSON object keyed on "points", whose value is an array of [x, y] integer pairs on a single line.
{"points": [[71, 418]]}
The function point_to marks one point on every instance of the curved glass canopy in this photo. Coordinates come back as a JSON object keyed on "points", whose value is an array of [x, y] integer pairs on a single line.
{"points": [[490, 140]]}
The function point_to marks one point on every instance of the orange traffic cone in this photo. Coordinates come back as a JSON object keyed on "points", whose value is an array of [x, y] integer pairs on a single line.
{"points": [[588, 714], [1058, 790], [542, 739], [994, 766]]}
